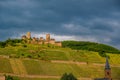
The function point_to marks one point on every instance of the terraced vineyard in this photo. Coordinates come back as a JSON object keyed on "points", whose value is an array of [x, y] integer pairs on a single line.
{"points": [[47, 63]]}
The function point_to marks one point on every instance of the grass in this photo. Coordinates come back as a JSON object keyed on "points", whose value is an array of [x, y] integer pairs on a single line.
{"points": [[55, 55], [49, 53], [115, 72], [56, 69], [5, 66], [114, 59]]}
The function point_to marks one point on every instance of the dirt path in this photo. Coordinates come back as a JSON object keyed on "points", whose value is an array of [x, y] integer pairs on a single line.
{"points": [[80, 63], [14, 66], [17, 66], [68, 62]]}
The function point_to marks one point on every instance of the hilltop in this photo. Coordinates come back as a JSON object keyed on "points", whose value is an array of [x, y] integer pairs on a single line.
{"points": [[90, 46]]}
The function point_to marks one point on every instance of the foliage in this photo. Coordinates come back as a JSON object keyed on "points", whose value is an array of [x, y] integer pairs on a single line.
{"points": [[66, 76], [90, 46], [24, 45], [8, 77], [2, 44], [103, 54], [12, 42]]}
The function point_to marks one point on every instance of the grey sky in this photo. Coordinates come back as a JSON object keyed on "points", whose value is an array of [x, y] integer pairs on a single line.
{"points": [[89, 20]]}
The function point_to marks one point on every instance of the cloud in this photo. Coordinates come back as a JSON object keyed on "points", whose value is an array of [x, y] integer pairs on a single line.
{"points": [[89, 20], [57, 37]]}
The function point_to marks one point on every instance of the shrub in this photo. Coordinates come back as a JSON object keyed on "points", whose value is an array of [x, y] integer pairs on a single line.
{"points": [[24, 45], [8, 77], [66, 76], [103, 54]]}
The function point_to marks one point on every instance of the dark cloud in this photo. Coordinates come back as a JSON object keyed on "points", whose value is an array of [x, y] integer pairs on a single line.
{"points": [[96, 20]]}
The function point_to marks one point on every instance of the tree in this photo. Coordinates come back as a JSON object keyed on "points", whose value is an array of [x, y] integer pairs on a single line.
{"points": [[2, 44], [66, 76], [8, 77]]}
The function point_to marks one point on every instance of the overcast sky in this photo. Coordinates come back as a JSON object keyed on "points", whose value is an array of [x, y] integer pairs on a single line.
{"points": [[84, 20]]}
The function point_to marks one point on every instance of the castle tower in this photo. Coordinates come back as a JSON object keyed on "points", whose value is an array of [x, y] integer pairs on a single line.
{"points": [[107, 70], [28, 35], [48, 37]]}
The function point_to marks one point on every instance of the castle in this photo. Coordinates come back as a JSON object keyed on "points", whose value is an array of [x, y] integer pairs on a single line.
{"points": [[41, 40], [107, 72]]}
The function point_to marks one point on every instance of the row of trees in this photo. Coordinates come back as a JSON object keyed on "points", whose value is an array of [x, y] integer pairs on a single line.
{"points": [[11, 42], [65, 76], [90, 46]]}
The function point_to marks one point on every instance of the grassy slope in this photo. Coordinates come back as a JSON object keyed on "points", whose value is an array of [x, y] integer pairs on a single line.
{"points": [[46, 53], [55, 69], [47, 68], [5, 66]]}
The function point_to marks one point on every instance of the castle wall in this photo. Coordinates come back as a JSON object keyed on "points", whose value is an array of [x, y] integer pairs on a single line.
{"points": [[41, 39], [46, 42], [40, 42], [34, 40], [52, 41], [58, 44]]}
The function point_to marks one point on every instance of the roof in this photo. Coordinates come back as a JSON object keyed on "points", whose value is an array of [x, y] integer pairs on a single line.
{"points": [[107, 65]]}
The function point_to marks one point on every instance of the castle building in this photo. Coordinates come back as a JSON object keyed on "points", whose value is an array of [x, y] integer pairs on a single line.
{"points": [[41, 40], [107, 72]]}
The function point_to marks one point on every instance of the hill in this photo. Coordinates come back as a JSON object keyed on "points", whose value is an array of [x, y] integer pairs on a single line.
{"points": [[90, 46], [48, 62]]}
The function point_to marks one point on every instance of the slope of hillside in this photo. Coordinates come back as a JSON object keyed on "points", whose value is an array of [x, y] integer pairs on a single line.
{"points": [[43, 62]]}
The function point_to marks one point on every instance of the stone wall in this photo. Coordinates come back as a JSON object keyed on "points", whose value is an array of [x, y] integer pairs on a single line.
{"points": [[58, 44]]}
